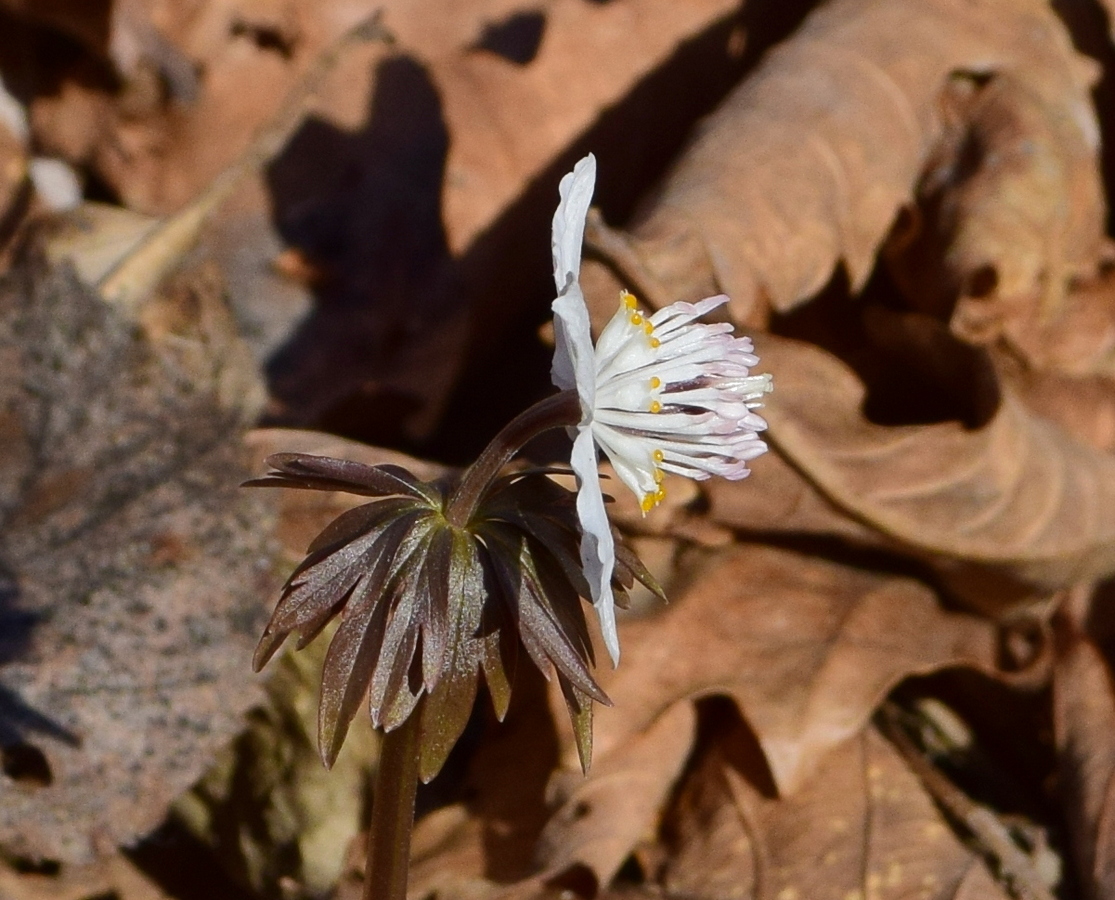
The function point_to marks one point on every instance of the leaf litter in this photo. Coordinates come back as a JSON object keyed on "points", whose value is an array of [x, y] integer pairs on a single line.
{"points": [[921, 179]]}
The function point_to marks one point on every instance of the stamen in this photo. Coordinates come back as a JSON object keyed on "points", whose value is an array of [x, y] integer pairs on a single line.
{"points": [[655, 382], [649, 502], [648, 327], [655, 406], [659, 476], [628, 299], [636, 319], [654, 342], [659, 456]]}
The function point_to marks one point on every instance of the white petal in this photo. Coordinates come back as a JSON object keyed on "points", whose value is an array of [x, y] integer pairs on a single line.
{"points": [[677, 314], [615, 335], [569, 222], [598, 551], [574, 363]]}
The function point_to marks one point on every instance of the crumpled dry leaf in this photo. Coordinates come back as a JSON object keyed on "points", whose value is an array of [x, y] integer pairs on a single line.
{"points": [[1011, 211], [135, 571], [1083, 405], [1084, 726], [806, 648], [863, 826], [1017, 499], [508, 119], [807, 162], [607, 814]]}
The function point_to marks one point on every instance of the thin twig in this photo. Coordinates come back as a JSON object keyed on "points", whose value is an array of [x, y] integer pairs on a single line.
{"points": [[135, 276], [992, 835]]}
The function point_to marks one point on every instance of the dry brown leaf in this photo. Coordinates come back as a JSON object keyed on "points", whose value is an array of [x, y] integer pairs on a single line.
{"points": [[1017, 498], [861, 827], [608, 813], [1078, 341], [1084, 725], [1011, 211], [135, 571], [778, 499], [806, 164], [1083, 405], [806, 647]]}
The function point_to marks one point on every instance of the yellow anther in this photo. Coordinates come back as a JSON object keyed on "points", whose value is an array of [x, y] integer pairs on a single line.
{"points": [[654, 342], [649, 502], [658, 456], [661, 495], [655, 382], [636, 319], [628, 299], [648, 327], [659, 476], [655, 406]]}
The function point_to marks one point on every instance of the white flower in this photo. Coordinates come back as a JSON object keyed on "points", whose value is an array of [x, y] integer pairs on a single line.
{"points": [[659, 393]]}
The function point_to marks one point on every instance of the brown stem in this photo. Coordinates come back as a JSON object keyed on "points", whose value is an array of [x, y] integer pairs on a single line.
{"points": [[385, 876], [557, 411]]}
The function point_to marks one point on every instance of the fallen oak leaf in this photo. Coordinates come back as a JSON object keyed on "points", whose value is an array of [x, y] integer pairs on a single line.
{"points": [[806, 164], [1017, 500], [806, 647], [1011, 210], [606, 814], [862, 826]]}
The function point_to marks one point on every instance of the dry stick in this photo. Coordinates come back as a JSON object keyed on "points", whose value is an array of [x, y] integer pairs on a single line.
{"points": [[991, 834], [135, 276]]}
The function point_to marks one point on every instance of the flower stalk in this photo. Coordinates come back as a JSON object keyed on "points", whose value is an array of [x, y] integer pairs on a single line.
{"points": [[560, 410], [385, 873]]}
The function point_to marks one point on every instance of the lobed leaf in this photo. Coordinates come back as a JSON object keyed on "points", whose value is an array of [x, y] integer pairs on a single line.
{"points": [[325, 473], [1018, 497]]}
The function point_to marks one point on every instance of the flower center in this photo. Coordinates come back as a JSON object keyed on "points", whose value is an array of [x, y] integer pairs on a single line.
{"points": [[628, 300]]}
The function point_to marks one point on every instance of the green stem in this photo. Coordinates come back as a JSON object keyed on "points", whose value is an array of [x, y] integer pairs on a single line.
{"points": [[385, 877], [557, 411]]}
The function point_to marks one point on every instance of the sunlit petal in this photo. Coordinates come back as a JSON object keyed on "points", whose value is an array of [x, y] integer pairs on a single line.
{"points": [[660, 393]]}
